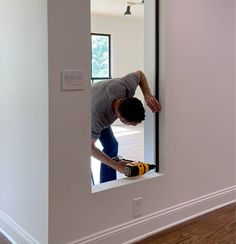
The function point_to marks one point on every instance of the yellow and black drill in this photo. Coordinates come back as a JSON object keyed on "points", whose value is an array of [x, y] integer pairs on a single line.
{"points": [[137, 168], [133, 168]]}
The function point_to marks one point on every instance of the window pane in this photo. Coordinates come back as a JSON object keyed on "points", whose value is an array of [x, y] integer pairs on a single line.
{"points": [[100, 56]]}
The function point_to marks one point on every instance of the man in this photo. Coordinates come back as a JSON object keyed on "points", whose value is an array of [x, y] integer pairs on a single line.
{"points": [[112, 99]]}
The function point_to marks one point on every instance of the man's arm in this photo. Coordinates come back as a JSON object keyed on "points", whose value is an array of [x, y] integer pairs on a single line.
{"points": [[150, 100], [101, 156]]}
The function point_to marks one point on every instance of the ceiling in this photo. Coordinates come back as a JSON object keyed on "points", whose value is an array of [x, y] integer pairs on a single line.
{"points": [[116, 8]]}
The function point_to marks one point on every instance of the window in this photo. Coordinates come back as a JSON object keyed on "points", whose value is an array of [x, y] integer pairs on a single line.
{"points": [[101, 56]]}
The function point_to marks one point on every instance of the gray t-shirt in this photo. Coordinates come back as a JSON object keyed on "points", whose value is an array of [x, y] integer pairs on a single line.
{"points": [[103, 93]]}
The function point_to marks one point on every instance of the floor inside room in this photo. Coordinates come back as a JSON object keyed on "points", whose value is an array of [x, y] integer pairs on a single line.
{"points": [[216, 227], [3, 239]]}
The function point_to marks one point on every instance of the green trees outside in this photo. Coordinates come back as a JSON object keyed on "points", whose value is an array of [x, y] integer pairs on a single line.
{"points": [[100, 56]]}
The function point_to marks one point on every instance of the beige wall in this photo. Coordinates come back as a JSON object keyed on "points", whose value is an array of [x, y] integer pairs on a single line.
{"points": [[197, 138], [127, 43], [24, 120], [69, 121], [197, 125]]}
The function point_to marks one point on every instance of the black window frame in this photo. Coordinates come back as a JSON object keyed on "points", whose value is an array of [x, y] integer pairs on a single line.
{"points": [[157, 36], [109, 57]]}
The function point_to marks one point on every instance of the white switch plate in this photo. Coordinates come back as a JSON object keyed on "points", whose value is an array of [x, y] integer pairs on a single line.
{"points": [[137, 207], [72, 80]]}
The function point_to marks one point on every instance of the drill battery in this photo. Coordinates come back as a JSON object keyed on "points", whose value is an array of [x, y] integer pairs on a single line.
{"points": [[137, 168]]}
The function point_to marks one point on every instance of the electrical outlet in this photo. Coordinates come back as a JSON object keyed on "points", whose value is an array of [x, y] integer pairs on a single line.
{"points": [[137, 207]]}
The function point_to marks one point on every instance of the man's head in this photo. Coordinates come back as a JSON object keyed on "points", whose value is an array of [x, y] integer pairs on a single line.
{"points": [[131, 111]]}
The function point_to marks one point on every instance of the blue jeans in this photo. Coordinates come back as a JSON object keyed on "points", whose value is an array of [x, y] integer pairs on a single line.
{"points": [[110, 148]]}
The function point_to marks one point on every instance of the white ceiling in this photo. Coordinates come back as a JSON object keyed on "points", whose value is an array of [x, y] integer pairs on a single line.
{"points": [[116, 8]]}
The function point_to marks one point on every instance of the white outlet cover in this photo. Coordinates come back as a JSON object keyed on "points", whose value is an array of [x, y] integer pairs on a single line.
{"points": [[137, 207]]}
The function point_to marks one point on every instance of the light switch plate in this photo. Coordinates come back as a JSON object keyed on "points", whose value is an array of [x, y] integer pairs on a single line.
{"points": [[72, 80]]}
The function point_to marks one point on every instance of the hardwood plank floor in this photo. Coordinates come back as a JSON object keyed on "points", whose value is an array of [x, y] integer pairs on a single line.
{"points": [[216, 227], [3, 239]]}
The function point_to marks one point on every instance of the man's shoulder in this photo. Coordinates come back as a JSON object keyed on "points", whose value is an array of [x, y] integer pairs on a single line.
{"points": [[131, 77]]}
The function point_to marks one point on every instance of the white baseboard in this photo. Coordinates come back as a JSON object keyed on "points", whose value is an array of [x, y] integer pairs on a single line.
{"points": [[145, 226], [14, 232]]}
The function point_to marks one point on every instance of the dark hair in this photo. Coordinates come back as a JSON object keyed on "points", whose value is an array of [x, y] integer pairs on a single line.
{"points": [[132, 109]]}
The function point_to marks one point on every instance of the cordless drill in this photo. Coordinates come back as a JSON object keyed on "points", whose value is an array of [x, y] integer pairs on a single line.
{"points": [[137, 168], [133, 168]]}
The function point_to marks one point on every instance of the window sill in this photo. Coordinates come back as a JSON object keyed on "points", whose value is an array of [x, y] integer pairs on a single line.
{"points": [[124, 181]]}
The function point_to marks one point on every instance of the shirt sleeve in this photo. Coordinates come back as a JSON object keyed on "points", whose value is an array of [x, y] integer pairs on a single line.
{"points": [[131, 82], [123, 87]]}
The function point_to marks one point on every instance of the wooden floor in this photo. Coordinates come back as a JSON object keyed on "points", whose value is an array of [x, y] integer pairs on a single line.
{"points": [[3, 239], [217, 227]]}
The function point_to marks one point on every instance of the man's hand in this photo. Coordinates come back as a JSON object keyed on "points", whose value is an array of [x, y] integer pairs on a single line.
{"points": [[120, 165], [152, 103]]}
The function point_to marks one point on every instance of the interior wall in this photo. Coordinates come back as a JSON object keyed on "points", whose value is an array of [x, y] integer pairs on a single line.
{"points": [[127, 43], [199, 95], [24, 118], [197, 122], [150, 64], [69, 120]]}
